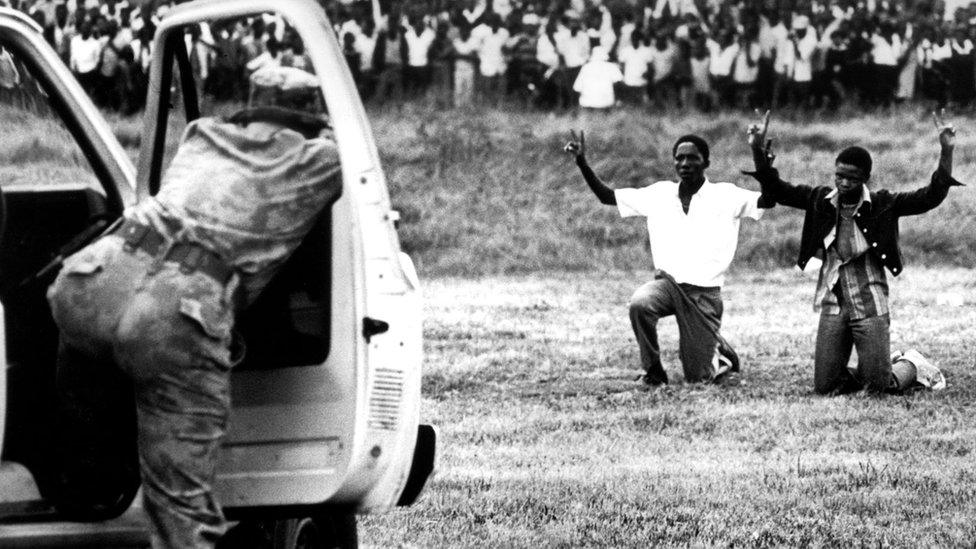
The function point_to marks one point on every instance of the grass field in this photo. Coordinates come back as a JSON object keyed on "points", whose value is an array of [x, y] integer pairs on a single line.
{"points": [[546, 440]]}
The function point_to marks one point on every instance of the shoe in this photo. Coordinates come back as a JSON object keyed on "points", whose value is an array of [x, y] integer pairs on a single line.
{"points": [[650, 381], [723, 367], [926, 374]]}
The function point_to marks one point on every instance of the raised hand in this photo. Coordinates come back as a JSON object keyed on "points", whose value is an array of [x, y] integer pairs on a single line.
{"points": [[576, 145], [947, 132], [947, 139], [761, 147]]}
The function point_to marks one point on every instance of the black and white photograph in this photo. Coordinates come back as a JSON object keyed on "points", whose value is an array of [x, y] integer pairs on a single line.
{"points": [[405, 274]]}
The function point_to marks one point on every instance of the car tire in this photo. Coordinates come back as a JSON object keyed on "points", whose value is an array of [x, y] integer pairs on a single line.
{"points": [[324, 531]]}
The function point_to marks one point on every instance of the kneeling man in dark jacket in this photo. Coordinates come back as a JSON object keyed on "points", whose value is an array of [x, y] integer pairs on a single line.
{"points": [[855, 231]]}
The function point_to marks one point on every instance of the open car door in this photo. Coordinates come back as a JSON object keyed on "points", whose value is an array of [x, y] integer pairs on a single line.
{"points": [[63, 178], [325, 409]]}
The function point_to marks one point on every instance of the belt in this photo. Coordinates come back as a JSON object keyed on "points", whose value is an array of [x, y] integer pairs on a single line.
{"points": [[190, 256]]}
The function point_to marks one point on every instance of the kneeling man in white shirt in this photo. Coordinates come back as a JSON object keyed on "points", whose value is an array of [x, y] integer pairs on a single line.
{"points": [[693, 226]]}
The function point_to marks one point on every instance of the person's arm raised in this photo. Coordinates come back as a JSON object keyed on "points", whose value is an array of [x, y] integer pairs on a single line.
{"points": [[947, 142], [577, 148], [380, 21], [931, 195], [774, 189]]}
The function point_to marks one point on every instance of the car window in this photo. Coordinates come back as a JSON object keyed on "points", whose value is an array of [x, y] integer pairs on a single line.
{"points": [[36, 147]]}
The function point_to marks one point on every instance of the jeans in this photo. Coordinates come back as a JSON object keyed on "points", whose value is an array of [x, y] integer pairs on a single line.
{"points": [[697, 344], [836, 335]]}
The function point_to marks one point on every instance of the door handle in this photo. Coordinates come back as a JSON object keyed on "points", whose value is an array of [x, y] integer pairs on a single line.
{"points": [[373, 326]]}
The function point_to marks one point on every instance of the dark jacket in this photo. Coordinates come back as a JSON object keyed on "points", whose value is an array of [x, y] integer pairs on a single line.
{"points": [[877, 219]]}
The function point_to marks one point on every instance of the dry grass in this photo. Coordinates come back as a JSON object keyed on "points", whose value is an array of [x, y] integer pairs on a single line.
{"points": [[546, 440]]}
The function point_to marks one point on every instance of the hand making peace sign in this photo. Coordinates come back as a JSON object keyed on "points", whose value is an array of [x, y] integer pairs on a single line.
{"points": [[762, 152], [576, 146], [947, 132]]}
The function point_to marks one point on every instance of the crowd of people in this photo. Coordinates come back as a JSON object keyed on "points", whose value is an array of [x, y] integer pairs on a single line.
{"points": [[664, 53], [557, 53], [108, 44]]}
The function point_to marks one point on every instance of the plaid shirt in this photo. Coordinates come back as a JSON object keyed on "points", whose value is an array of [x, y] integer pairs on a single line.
{"points": [[849, 273]]}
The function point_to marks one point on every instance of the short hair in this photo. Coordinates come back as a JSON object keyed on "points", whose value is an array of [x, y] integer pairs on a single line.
{"points": [[698, 142], [856, 156]]}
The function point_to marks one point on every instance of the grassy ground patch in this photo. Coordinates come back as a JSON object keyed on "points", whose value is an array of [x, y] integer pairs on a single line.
{"points": [[546, 440]]}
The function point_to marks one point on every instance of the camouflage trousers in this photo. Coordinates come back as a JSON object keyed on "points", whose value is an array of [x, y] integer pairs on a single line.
{"points": [[130, 320]]}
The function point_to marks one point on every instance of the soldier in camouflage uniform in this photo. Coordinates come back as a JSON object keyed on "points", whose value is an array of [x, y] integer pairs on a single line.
{"points": [[157, 298]]}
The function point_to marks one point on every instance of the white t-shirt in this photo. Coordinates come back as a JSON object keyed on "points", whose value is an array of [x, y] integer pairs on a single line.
{"points": [[635, 62], [721, 59], [366, 46], [84, 54], [418, 46], [803, 57], [884, 52], [662, 61], [784, 50], [545, 52], [626, 32], [942, 52], [697, 247], [574, 49], [595, 84], [743, 73], [490, 52]]}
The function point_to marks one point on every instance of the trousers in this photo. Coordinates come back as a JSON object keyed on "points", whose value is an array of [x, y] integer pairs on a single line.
{"points": [[127, 317], [697, 343], [836, 335]]}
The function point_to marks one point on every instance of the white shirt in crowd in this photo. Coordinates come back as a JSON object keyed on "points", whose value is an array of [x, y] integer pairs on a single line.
{"points": [[635, 62], [491, 50], [721, 59], [545, 52], [662, 61], [803, 56], [941, 52], [502, 7], [697, 247], [626, 32], [604, 34], [783, 63], [84, 54], [884, 52], [595, 81], [366, 46], [768, 40], [418, 46], [141, 53], [574, 49], [743, 73]]}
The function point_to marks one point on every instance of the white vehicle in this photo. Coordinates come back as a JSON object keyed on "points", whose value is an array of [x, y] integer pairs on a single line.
{"points": [[325, 410]]}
